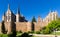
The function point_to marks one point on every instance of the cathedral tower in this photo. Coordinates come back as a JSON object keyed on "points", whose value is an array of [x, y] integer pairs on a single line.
{"points": [[8, 14], [54, 15]]}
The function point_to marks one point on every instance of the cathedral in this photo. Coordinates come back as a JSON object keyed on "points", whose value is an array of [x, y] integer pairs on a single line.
{"points": [[19, 23]]}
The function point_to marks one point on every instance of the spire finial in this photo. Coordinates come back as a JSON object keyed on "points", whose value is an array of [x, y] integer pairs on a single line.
{"points": [[8, 6], [4, 14], [18, 10]]}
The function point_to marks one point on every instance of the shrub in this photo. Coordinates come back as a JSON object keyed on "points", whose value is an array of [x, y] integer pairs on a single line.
{"points": [[31, 32], [3, 35], [25, 35], [38, 32]]}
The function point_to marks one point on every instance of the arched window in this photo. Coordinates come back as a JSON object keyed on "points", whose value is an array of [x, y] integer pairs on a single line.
{"points": [[8, 18]]}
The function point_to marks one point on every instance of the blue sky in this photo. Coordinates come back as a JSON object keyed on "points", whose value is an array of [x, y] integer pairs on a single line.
{"points": [[30, 8]]}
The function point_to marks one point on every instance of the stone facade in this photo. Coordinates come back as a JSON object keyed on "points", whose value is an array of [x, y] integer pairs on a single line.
{"points": [[19, 23], [50, 17]]}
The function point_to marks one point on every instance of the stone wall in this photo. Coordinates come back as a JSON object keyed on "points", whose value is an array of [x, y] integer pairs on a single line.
{"points": [[36, 26], [22, 26], [8, 27], [28, 26]]}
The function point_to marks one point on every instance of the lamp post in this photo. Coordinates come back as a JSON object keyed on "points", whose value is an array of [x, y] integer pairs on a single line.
{"points": [[55, 32]]}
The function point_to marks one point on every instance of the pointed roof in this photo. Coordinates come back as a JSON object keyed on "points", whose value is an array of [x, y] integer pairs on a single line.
{"points": [[4, 13], [55, 11], [18, 11], [39, 19], [8, 11], [8, 6], [50, 11]]}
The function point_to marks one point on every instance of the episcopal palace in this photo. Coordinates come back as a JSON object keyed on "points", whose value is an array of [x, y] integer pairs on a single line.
{"points": [[19, 23]]}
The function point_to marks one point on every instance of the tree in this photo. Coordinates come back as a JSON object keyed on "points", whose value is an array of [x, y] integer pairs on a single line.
{"points": [[53, 25], [3, 27], [13, 30], [33, 19]]}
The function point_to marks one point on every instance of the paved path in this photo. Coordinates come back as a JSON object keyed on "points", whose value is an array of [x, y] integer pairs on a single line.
{"points": [[41, 35]]}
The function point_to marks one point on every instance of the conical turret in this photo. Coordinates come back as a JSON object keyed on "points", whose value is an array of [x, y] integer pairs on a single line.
{"points": [[18, 11], [18, 15]]}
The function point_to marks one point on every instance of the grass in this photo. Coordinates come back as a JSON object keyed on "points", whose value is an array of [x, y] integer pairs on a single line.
{"points": [[19, 34], [57, 33], [3, 35]]}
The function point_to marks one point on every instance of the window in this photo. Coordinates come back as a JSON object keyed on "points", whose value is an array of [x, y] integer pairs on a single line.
{"points": [[8, 18]]}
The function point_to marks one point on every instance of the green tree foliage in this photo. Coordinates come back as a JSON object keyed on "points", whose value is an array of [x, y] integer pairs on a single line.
{"points": [[3, 28], [13, 34], [13, 26], [52, 26], [37, 32], [33, 19], [58, 21]]}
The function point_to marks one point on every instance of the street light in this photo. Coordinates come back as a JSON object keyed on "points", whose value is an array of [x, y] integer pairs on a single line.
{"points": [[55, 32]]}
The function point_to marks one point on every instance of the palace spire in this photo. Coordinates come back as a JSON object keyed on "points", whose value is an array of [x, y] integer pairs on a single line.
{"points": [[8, 7], [18, 10]]}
